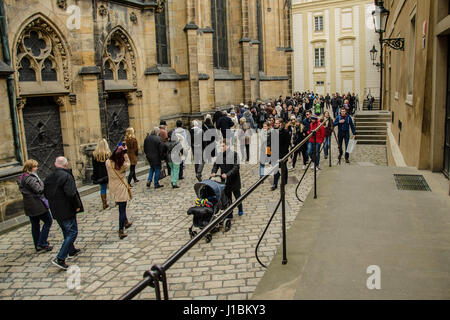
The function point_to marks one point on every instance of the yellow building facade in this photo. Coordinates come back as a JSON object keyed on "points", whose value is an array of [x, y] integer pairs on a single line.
{"points": [[332, 40]]}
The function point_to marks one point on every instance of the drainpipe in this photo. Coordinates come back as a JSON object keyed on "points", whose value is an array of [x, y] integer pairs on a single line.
{"points": [[10, 84]]}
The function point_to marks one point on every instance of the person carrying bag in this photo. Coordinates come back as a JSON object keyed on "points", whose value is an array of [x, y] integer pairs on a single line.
{"points": [[117, 167]]}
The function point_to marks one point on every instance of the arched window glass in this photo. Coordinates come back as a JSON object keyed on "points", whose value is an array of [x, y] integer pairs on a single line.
{"points": [[121, 72], [48, 72], [220, 39], [26, 72], [109, 75]]}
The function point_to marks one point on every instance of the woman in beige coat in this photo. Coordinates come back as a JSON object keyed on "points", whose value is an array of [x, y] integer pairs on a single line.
{"points": [[120, 191]]}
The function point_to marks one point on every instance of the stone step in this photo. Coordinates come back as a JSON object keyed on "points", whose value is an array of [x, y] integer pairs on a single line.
{"points": [[372, 133], [372, 142], [370, 138], [375, 118], [370, 124]]}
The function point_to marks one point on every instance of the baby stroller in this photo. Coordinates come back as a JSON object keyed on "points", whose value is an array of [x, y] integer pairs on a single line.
{"points": [[211, 199]]}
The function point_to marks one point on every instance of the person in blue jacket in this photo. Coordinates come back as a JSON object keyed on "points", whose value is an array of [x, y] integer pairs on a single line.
{"points": [[344, 122]]}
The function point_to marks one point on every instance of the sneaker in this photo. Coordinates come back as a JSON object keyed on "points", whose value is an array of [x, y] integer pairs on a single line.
{"points": [[274, 188], [312, 166], [304, 167], [159, 186], [241, 213], [44, 249], [60, 264], [148, 184], [291, 168], [73, 254], [174, 186], [347, 161]]}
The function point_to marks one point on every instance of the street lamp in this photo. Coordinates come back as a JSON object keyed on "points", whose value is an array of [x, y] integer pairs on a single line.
{"points": [[373, 57], [380, 19], [373, 54]]}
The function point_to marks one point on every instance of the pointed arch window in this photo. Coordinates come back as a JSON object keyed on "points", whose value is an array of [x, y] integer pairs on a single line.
{"points": [[119, 59], [220, 39], [162, 47]]}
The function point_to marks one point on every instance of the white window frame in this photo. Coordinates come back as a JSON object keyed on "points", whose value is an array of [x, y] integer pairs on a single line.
{"points": [[319, 56], [318, 23]]}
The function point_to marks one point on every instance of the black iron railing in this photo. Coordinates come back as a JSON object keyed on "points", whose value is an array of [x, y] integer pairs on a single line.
{"points": [[157, 273]]}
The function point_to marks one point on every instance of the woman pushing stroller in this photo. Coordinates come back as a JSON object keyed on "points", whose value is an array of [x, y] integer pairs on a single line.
{"points": [[228, 163]]}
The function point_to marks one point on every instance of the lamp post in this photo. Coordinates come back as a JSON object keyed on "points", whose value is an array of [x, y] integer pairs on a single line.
{"points": [[380, 18]]}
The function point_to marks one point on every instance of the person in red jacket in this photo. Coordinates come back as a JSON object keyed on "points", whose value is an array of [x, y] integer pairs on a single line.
{"points": [[320, 137]]}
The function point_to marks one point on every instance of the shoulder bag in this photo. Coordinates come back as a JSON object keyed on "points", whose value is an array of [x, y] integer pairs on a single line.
{"points": [[125, 184]]}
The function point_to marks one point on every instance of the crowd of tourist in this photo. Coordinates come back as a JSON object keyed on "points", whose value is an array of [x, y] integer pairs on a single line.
{"points": [[223, 139]]}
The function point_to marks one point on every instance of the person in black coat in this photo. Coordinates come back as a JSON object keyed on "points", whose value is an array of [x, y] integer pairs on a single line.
{"points": [[209, 139], [224, 124], [228, 163], [154, 150], [65, 202], [284, 144], [35, 205]]}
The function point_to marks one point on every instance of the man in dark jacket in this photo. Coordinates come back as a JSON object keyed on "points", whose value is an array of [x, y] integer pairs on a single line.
{"points": [[228, 163], [284, 144], [153, 149], [344, 122], [65, 202], [225, 123]]}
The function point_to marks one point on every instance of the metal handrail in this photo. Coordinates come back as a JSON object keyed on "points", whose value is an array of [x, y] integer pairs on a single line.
{"points": [[158, 272]]}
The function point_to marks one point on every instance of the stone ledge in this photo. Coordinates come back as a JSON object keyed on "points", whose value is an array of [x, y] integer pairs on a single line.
{"points": [[222, 74], [190, 26], [10, 173], [5, 70], [91, 70], [203, 76], [169, 74], [264, 77], [152, 71]]}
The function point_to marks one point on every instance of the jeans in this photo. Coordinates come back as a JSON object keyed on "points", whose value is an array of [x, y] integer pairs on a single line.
{"points": [[174, 172], [296, 154], [69, 229], [326, 145], [277, 175], [199, 169], [103, 188], [341, 138], [261, 170], [237, 195], [122, 214], [154, 170], [181, 170], [311, 151], [40, 236]]}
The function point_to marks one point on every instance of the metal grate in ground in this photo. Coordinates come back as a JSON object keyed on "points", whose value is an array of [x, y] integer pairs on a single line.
{"points": [[411, 182]]}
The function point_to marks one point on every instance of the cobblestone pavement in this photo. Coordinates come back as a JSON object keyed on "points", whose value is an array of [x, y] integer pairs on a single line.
{"points": [[226, 268]]}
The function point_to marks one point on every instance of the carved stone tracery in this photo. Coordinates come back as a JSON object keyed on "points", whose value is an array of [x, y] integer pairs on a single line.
{"points": [[41, 49], [119, 60]]}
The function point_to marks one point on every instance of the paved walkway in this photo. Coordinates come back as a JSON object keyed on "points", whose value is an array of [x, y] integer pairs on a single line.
{"points": [[359, 220], [226, 268]]}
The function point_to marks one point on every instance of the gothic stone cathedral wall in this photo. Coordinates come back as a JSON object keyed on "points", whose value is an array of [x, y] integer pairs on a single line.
{"points": [[58, 65]]}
